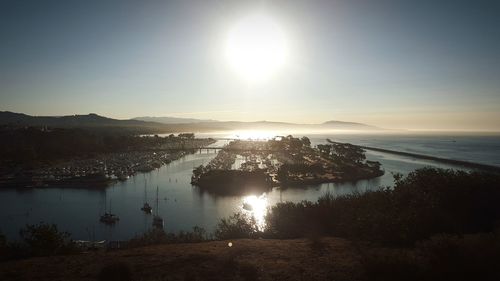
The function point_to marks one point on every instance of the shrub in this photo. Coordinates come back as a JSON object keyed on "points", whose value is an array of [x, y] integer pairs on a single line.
{"points": [[426, 202], [237, 226], [153, 236], [199, 234], [159, 236], [290, 220], [45, 239]]}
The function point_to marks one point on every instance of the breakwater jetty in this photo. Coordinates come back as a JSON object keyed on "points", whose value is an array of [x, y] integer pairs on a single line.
{"points": [[466, 164]]}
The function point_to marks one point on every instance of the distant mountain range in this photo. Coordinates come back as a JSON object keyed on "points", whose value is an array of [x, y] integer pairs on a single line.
{"points": [[166, 124], [239, 125], [172, 120]]}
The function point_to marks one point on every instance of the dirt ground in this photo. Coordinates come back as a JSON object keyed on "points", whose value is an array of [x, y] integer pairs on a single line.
{"points": [[299, 259]]}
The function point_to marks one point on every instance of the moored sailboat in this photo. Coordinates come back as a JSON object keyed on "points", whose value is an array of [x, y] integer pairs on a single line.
{"points": [[146, 207], [157, 219], [108, 218]]}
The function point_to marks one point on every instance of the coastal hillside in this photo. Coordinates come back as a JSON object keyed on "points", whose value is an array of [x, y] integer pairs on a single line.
{"points": [[90, 121], [201, 124], [172, 120], [260, 259], [169, 124]]}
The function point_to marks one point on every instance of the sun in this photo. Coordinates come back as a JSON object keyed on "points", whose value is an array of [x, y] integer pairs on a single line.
{"points": [[256, 47]]}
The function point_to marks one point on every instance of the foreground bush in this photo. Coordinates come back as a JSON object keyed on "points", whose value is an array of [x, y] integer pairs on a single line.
{"points": [[443, 257], [37, 240], [426, 202], [159, 236], [45, 239], [236, 226]]}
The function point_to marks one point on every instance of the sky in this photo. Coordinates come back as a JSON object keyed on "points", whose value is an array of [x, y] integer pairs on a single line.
{"points": [[396, 64]]}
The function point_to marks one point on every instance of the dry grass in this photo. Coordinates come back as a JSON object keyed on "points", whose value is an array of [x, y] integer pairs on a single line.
{"points": [[246, 260]]}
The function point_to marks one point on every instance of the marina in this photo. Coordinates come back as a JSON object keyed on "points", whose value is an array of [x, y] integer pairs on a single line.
{"points": [[102, 170]]}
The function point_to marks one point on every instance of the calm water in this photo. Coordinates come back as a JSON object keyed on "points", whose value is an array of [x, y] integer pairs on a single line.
{"points": [[183, 206]]}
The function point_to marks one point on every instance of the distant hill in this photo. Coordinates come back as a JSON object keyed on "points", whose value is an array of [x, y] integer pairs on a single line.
{"points": [[172, 120], [89, 121], [351, 125], [280, 126], [203, 124], [166, 124]]}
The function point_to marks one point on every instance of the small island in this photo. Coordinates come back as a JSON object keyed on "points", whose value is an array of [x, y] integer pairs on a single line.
{"points": [[245, 165]]}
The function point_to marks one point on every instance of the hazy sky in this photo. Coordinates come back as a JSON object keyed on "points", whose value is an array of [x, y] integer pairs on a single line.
{"points": [[398, 64]]}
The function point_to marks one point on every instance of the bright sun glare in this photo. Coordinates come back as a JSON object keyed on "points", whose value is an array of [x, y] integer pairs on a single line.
{"points": [[257, 207], [256, 47]]}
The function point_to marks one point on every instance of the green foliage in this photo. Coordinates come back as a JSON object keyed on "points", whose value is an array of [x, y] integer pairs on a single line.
{"points": [[45, 239], [306, 141], [186, 136], [153, 236], [289, 220], [285, 170], [198, 234], [159, 236], [426, 202], [37, 240], [324, 149], [236, 226], [345, 152]]}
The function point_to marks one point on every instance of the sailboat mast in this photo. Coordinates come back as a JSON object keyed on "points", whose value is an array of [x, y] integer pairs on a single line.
{"points": [[157, 206], [145, 190]]}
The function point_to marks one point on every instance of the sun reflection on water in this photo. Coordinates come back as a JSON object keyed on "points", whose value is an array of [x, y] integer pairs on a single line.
{"points": [[256, 206]]}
